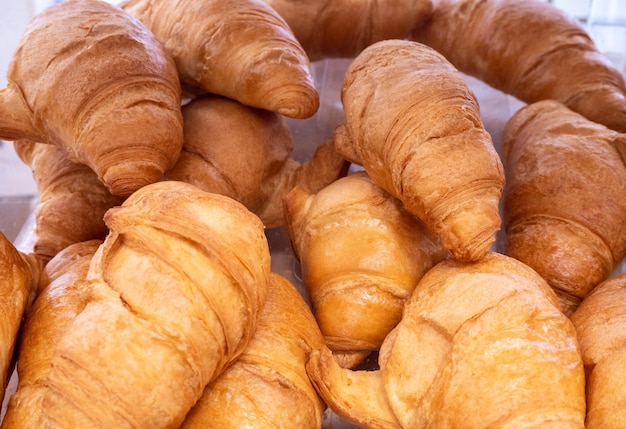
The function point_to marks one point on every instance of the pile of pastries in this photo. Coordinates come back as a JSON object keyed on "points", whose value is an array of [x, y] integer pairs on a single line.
{"points": [[158, 134]]}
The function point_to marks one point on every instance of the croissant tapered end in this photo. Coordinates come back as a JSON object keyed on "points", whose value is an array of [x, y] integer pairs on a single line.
{"points": [[88, 77], [241, 49]]}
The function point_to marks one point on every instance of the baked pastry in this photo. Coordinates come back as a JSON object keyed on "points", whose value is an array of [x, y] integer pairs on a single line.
{"points": [[361, 255], [600, 322], [563, 206], [177, 286], [91, 79], [481, 344], [532, 50], [268, 386], [71, 199], [414, 125], [62, 295], [245, 153]]}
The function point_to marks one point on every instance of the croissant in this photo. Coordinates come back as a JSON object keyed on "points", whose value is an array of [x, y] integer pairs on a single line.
{"points": [[18, 281], [344, 28], [414, 125], [600, 323], [62, 295], [532, 50], [245, 153], [89, 78], [241, 49], [480, 345], [177, 286], [563, 206], [72, 201], [361, 254], [268, 386]]}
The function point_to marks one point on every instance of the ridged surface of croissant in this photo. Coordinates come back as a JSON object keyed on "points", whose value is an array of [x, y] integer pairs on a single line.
{"points": [[532, 50], [93, 80], [245, 153], [241, 49], [343, 28], [480, 345], [361, 254], [178, 287], [18, 281], [563, 206], [415, 126], [71, 199], [600, 323], [62, 294], [268, 386]]}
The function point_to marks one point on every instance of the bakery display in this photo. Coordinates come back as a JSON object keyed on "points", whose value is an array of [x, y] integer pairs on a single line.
{"points": [[89, 78], [327, 244], [563, 205]]}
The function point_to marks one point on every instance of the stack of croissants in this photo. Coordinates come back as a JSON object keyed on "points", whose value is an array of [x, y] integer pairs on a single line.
{"points": [[158, 135]]}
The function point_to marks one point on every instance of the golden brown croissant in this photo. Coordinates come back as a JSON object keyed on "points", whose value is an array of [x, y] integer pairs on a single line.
{"points": [[245, 153], [177, 289], [563, 206], [241, 49], [361, 254], [91, 79], [72, 201], [268, 386], [343, 28], [480, 345], [600, 322], [18, 281], [414, 125], [532, 50], [62, 294]]}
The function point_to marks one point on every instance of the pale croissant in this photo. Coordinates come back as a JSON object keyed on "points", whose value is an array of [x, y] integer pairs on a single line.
{"points": [[268, 386], [91, 79], [414, 125], [361, 255], [246, 153], [62, 295], [600, 322], [19, 274], [241, 49], [480, 345], [177, 290], [563, 206], [71, 200]]}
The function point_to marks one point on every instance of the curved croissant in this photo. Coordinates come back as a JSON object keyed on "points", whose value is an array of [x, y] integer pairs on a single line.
{"points": [[530, 49], [72, 201], [480, 344], [177, 286], [245, 153], [600, 322], [18, 282], [414, 125], [361, 254], [62, 295], [341, 28], [563, 206], [268, 386], [89, 78], [241, 49]]}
